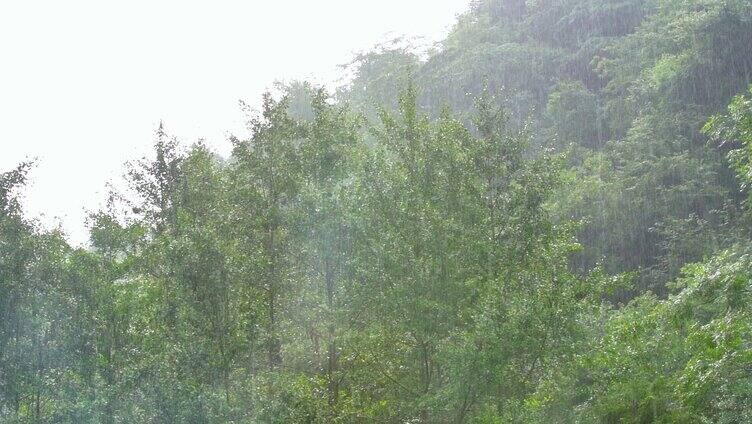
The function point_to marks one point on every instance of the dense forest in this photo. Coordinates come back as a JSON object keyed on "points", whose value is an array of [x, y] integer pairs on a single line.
{"points": [[545, 218]]}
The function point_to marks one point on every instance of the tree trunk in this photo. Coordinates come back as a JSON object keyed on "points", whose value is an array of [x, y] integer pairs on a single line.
{"points": [[333, 385]]}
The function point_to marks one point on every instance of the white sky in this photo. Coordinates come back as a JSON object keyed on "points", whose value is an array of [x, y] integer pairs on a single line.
{"points": [[83, 84]]}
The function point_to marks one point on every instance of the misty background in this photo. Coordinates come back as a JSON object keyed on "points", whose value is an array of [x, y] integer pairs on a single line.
{"points": [[85, 84]]}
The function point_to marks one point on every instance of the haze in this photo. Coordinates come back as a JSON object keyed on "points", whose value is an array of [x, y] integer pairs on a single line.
{"points": [[84, 84]]}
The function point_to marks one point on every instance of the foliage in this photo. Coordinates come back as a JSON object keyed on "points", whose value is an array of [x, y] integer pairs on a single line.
{"points": [[525, 224]]}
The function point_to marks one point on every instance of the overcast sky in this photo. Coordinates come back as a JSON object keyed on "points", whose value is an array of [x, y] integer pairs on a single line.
{"points": [[83, 84]]}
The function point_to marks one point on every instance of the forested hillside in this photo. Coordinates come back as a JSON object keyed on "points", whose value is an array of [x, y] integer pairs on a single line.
{"points": [[546, 218]]}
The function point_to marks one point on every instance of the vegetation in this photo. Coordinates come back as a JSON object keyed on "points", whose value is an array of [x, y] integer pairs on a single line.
{"points": [[545, 220]]}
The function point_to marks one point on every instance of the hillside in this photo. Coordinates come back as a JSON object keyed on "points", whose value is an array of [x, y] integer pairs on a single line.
{"points": [[544, 219]]}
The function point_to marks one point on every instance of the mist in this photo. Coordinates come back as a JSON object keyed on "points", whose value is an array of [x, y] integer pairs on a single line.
{"points": [[472, 212]]}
